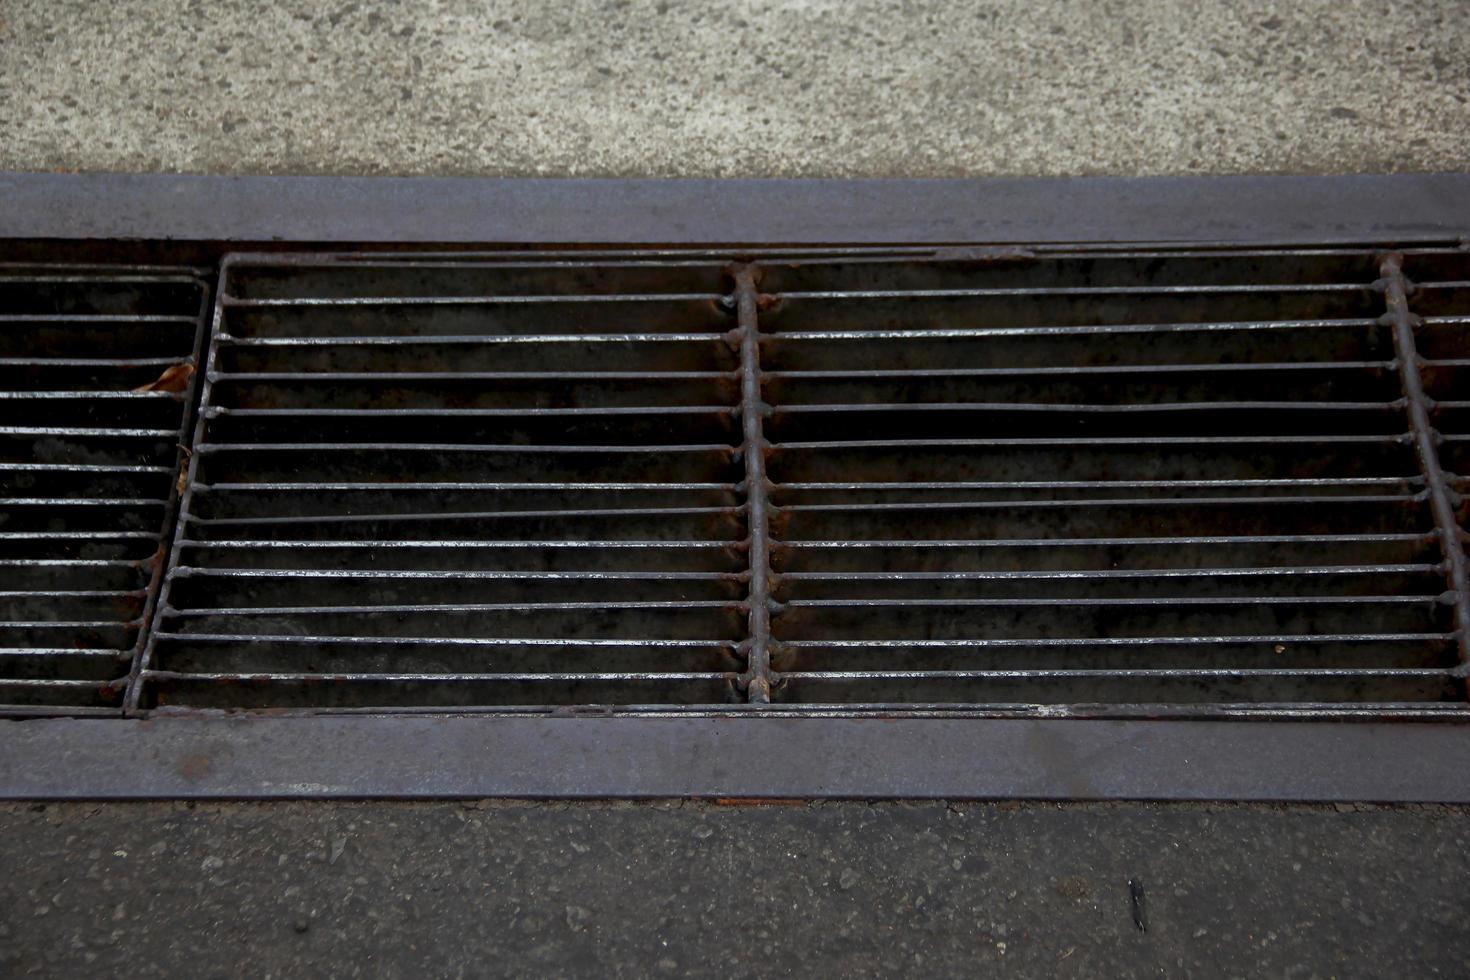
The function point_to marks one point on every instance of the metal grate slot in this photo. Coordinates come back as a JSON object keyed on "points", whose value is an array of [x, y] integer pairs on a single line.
{"points": [[1116, 481], [96, 368]]}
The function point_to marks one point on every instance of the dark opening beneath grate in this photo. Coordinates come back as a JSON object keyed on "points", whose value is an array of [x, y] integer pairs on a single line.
{"points": [[96, 365], [992, 478]]}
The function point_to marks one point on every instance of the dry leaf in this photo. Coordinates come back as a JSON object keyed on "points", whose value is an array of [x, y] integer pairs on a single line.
{"points": [[175, 379]]}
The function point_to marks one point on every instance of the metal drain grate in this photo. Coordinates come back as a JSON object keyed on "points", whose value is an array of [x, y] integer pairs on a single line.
{"points": [[1136, 481], [1107, 480], [432, 483], [96, 367]]}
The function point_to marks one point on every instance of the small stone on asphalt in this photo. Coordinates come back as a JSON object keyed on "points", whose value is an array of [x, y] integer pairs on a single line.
{"points": [[578, 918]]}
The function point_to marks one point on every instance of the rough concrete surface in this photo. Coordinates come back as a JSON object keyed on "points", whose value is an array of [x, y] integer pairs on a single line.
{"points": [[837, 889], [742, 88]]}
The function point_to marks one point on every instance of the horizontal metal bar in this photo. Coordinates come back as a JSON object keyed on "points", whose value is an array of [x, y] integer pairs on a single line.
{"points": [[1114, 542], [299, 677], [453, 413], [449, 447], [407, 486], [448, 607], [66, 563], [76, 535], [1147, 408], [1070, 504], [102, 433], [1083, 370], [80, 502], [323, 377], [70, 593], [1182, 540], [1024, 292], [1127, 441], [100, 273], [1115, 601], [93, 395], [237, 302], [532, 545], [1115, 641], [448, 641], [43, 361], [1043, 673], [43, 653], [1088, 574], [192, 571], [443, 340], [1346, 481], [1218, 326], [789, 756], [487, 515], [70, 624], [80, 468], [50, 682], [99, 318]]}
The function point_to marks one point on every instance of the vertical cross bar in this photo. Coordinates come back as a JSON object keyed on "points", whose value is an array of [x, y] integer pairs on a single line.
{"points": [[756, 679]]}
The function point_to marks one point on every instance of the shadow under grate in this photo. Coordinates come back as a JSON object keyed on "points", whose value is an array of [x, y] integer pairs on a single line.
{"points": [[96, 380], [1137, 481]]}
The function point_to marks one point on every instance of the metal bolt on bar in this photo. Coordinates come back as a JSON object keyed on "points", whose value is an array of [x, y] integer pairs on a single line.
{"points": [[1426, 439], [756, 679]]}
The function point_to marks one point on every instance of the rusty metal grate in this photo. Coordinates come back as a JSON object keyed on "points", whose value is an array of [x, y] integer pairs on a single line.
{"points": [[96, 367], [1153, 481]]}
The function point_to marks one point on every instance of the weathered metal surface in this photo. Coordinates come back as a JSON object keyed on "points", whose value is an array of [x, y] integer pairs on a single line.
{"points": [[337, 211], [778, 758]]}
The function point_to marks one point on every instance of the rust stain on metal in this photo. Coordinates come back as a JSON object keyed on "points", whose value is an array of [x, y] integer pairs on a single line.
{"points": [[985, 255], [196, 766], [751, 801]]}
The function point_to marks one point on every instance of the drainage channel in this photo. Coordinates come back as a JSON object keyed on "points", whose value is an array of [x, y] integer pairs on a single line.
{"points": [[1112, 482], [962, 520]]}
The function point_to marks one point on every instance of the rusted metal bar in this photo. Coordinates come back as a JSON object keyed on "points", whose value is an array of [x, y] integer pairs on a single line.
{"points": [[1426, 439], [167, 556], [756, 679]]}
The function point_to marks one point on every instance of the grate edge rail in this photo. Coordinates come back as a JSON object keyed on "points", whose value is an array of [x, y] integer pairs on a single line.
{"points": [[1426, 439]]}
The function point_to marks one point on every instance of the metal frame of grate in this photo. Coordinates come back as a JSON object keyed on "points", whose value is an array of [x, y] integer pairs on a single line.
{"points": [[826, 481], [793, 747], [96, 394]]}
